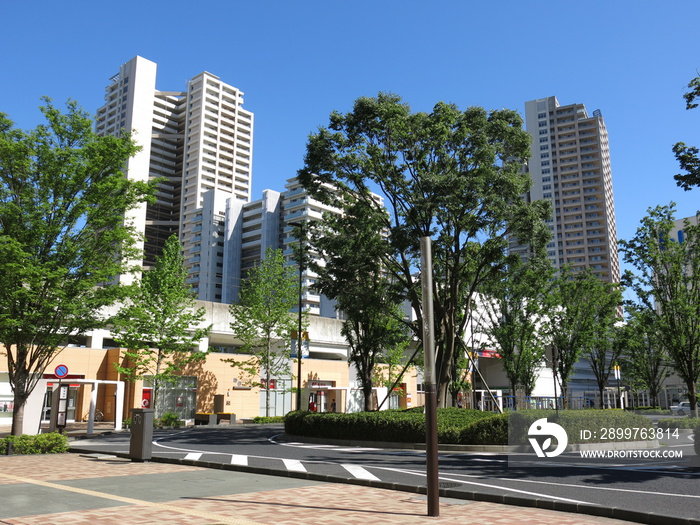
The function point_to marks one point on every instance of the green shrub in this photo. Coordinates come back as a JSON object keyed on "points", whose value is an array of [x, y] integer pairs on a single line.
{"points": [[268, 420], [486, 431], [458, 426], [169, 419], [51, 443], [651, 411], [683, 422], [574, 421]]}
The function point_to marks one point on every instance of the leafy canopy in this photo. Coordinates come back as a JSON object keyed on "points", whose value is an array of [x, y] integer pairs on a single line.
{"points": [[452, 175], [161, 325], [63, 198]]}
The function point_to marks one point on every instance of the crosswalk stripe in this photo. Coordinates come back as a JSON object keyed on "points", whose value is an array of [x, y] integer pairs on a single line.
{"points": [[359, 472], [295, 465], [238, 459]]}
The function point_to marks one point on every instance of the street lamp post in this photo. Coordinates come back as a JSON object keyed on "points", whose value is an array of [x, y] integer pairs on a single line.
{"points": [[300, 225]]}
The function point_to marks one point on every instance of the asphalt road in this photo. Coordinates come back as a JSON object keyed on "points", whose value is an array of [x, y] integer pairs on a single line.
{"points": [[662, 487]]}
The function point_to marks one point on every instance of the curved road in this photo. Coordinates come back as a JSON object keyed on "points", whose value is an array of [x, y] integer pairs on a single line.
{"points": [[664, 488]]}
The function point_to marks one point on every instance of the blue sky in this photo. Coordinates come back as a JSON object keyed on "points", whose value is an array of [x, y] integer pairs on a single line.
{"points": [[298, 61]]}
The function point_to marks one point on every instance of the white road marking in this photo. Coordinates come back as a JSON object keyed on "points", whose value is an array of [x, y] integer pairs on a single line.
{"points": [[359, 472], [294, 465], [497, 487], [238, 459], [193, 456]]}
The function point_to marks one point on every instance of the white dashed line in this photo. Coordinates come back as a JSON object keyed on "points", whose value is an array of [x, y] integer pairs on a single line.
{"points": [[294, 465], [238, 459], [359, 472], [193, 456]]}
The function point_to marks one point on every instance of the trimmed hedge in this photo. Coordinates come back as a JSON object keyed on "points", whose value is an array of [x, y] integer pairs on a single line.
{"points": [[268, 420], [683, 422], [51, 443], [455, 425], [574, 421]]}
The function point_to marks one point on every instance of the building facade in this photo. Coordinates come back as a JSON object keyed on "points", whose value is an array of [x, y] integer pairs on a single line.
{"points": [[198, 143], [570, 166]]}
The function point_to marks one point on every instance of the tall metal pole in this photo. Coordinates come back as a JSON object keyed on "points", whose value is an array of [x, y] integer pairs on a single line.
{"points": [[431, 436]]}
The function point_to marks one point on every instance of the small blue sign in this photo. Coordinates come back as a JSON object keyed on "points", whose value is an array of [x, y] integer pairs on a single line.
{"points": [[61, 371]]}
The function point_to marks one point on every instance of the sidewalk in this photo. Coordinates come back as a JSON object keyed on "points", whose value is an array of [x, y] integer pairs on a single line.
{"points": [[74, 489]]}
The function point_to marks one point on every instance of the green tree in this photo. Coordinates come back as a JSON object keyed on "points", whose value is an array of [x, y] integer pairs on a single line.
{"points": [[160, 325], [452, 175], [513, 307], [62, 236], [645, 363], [609, 339], [577, 304], [687, 156], [351, 246], [667, 284], [263, 322]]}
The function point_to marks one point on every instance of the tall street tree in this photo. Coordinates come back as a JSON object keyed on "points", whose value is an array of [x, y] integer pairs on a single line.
{"points": [[452, 175], [263, 321], [513, 307], [160, 325], [667, 284], [63, 198], [645, 363], [687, 156], [570, 325], [609, 337], [351, 246]]}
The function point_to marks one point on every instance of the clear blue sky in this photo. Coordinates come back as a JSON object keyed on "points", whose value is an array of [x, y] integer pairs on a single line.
{"points": [[298, 61]]}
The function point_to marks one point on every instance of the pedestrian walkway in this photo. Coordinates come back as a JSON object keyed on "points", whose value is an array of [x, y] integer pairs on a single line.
{"points": [[101, 489]]}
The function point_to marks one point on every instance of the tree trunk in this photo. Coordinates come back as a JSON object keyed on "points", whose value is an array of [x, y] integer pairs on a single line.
{"points": [[693, 398], [18, 414]]}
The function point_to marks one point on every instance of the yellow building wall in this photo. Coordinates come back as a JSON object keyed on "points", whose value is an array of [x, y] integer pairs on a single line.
{"points": [[215, 376]]}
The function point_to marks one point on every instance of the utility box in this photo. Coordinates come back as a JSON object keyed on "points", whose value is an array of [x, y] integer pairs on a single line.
{"points": [[141, 434]]}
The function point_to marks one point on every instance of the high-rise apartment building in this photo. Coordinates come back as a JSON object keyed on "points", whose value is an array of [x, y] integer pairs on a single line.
{"points": [[570, 166], [199, 142]]}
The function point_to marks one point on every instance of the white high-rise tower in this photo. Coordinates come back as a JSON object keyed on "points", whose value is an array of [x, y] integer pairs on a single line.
{"points": [[570, 166], [199, 142]]}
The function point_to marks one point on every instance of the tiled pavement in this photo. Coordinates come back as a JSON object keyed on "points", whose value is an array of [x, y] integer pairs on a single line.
{"points": [[73, 489]]}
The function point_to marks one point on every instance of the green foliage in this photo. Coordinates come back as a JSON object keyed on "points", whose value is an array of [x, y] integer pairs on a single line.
{"points": [[351, 245], [680, 422], [169, 419], [687, 156], [667, 285], [455, 426], [262, 420], [513, 309], [452, 175], [651, 411], [580, 319], [50, 443], [160, 324], [262, 321], [404, 426], [645, 363], [63, 197], [574, 421]]}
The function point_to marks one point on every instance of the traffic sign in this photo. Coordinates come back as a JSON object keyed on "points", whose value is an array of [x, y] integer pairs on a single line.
{"points": [[61, 371]]}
